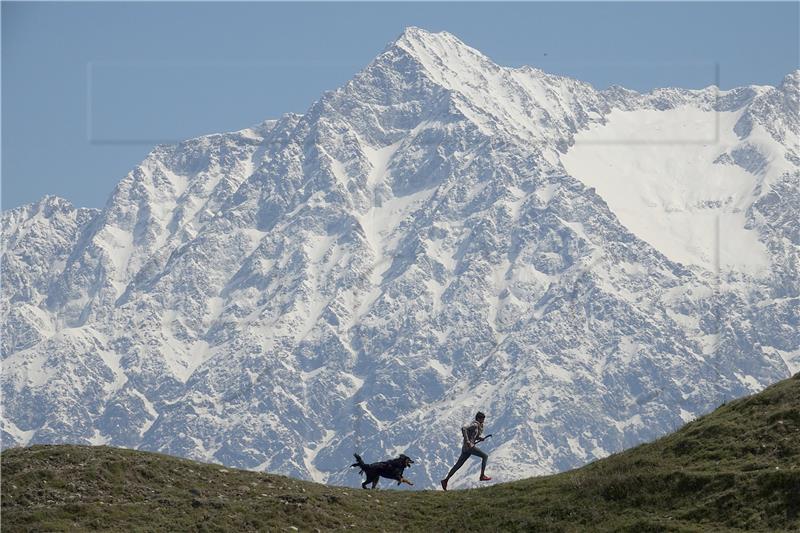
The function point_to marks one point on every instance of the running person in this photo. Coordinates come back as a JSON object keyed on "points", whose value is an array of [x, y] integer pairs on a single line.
{"points": [[472, 436]]}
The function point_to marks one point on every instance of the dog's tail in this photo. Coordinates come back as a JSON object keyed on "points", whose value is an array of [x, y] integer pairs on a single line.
{"points": [[359, 463]]}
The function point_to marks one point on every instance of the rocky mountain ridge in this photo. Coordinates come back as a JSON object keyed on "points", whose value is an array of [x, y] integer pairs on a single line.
{"points": [[365, 276]]}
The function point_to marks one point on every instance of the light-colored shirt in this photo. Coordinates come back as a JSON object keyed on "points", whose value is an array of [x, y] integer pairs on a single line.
{"points": [[471, 432]]}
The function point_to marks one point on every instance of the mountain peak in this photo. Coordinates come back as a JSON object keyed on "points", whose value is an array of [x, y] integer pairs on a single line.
{"points": [[792, 79], [435, 50], [415, 35], [523, 103], [45, 205]]}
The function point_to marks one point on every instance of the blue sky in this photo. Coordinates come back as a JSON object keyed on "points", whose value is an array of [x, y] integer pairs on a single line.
{"points": [[89, 88]]}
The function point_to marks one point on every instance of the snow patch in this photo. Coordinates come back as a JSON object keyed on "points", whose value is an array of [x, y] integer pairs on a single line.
{"points": [[792, 360], [446, 371], [118, 244], [666, 188], [752, 383], [310, 455], [22, 438]]}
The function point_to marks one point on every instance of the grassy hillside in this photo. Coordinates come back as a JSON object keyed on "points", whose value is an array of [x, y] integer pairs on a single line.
{"points": [[737, 468]]}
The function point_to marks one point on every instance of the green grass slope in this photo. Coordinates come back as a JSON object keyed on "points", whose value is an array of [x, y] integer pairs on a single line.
{"points": [[737, 468]]}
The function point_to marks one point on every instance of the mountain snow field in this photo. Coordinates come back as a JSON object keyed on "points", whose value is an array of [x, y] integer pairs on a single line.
{"points": [[440, 235], [660, 172]]}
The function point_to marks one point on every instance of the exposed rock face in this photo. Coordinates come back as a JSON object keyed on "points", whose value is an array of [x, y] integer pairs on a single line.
{"points": [[415, 247]]}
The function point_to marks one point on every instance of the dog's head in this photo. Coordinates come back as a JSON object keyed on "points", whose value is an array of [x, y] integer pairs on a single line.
{"points": [[407, 461]]}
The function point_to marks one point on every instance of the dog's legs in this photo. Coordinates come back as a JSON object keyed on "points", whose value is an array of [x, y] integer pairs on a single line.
{"points": [[374, 483], [404, 480], [364, 485]]}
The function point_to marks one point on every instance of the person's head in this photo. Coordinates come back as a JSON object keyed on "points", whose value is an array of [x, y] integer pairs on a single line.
{"points": [[480, 416]]}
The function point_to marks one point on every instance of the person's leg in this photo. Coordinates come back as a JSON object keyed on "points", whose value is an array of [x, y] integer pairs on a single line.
{"points": [[484, 457], [461, 460]]}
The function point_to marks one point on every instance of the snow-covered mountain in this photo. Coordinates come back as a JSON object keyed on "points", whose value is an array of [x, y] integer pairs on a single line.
{"points": [[440, 235]]}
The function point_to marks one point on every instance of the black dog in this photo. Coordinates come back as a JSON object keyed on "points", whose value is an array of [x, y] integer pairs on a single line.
{"points": [[392, 469]]}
